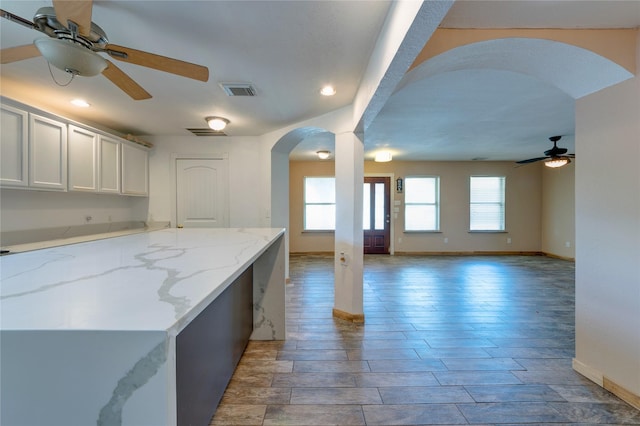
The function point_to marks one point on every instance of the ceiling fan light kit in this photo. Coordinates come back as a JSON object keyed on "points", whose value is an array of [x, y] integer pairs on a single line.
{"points": [[71, 57], [557, 162]]}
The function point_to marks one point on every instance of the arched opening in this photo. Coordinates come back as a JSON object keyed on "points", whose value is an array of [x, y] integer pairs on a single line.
{"points": [[280, 179]]}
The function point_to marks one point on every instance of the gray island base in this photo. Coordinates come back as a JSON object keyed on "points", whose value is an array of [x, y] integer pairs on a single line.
{"points": [[144, 329]]}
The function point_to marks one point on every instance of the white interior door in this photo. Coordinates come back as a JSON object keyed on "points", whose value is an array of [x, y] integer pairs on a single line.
{"points": [[201, 193]]}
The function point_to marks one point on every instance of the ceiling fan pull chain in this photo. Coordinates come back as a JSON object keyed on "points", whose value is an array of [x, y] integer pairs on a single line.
{"points": [[56, 81]]}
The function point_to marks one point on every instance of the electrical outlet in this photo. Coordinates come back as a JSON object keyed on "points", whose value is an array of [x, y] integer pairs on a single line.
{"points": [[446, 240], [567, 244], [508, 240], [399, 240]]}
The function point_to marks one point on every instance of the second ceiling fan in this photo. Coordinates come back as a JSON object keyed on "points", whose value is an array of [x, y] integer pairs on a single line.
{"points": [[75, 42], [554, 157]]}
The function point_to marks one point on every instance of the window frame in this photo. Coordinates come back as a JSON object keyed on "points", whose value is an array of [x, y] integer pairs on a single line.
{"points": [[305, 204], [435, 204], [502, 204]]}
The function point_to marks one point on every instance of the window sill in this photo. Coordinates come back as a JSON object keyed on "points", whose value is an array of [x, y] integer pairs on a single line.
{"points": [[422, 232], [318, 231], [487, 232]]}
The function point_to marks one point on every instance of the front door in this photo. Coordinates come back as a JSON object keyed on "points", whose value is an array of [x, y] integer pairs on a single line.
{"points": [[201, 193], [376, 219]]}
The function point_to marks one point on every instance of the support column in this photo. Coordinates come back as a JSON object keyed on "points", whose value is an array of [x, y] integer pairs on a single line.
{"points": [[349, 258]]}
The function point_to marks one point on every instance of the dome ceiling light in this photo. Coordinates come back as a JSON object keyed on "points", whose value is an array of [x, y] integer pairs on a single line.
{"points": [[383, 157], [328, 91], [217, 123]]}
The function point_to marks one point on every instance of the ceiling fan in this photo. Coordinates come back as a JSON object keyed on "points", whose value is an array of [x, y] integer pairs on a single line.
{"points": [[74, 43], [555, 157]]}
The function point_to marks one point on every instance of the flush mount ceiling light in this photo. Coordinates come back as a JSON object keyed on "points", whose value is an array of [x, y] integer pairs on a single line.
{"points": [[383, 157], [328, 91], [323, 155], [556, 162], [217, 123], [80, 103], [71, 57]]}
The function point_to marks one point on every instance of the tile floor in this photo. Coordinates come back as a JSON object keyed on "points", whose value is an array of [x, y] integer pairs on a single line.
{"points": [[447, 340]]}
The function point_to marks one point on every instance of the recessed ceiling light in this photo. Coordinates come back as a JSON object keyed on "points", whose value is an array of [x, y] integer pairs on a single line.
{"points": [[80, 103], [328, 91]]}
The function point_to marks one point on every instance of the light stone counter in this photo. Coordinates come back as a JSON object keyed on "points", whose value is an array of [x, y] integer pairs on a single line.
{"points": [[89, 330]]}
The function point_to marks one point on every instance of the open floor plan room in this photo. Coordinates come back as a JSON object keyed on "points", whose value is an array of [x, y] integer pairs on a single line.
{"points": [[446, 340]]}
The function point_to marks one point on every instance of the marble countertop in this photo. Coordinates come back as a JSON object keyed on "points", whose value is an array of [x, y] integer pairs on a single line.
{"points": [[157, 280]]}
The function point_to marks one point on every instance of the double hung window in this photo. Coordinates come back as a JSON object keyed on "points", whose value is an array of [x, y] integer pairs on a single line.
{"points": [[319, 203], [422, 203], [486, 203]]}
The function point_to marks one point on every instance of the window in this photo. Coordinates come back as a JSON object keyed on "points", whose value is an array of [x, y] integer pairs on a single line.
{"points": [[486, 208], [421, 203], [319, 203]]}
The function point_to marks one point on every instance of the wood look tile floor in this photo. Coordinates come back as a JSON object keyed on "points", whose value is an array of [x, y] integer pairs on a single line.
{"points": [[447, 340]]}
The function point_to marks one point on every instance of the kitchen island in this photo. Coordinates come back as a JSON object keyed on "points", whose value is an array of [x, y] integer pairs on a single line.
{"points": [[143, 329]]}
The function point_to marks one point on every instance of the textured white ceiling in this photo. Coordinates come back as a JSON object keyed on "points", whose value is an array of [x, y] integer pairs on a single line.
{"points": [[500, 99], [495, 100]]}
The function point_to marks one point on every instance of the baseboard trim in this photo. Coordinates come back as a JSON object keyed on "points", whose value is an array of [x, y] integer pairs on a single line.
{"points": [[601, 380], [622, 393], [590, 373], [469, 253], [311, 253], [354, 318], [448, 253], [556, 256]]}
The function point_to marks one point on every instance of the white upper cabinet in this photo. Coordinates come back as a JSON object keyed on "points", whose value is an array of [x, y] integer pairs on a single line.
{"points": [[83, 159], [47, 153], [40, 151], [14, 147], [109, 165], [135, 170]]}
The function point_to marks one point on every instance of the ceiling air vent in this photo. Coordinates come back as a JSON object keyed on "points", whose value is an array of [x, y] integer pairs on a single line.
{"points": [[206, 132], [238, 89]]}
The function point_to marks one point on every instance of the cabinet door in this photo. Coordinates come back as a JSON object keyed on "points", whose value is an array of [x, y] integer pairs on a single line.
{"points": [[14, 146], [47, 153], [109, 165], [135, 170], [83, 159]]}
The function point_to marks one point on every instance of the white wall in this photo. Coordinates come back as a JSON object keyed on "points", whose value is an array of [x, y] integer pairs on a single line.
{"points": [[246, 163], [558, 211], [608, 235]]}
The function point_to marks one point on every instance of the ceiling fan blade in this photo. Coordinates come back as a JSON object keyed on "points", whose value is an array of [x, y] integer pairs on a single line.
{"points": [[124, 82], [531, 160], [19, 20], [77, 11], [160, 63], [18, 53]]}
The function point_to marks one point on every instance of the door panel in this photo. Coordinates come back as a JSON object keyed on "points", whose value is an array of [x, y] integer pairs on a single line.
{"points": [[376, 217], [201, 193]]}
